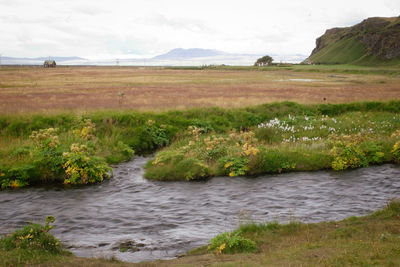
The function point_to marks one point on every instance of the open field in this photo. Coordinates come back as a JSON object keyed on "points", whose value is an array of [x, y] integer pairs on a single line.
{"points": [[38, 90]]}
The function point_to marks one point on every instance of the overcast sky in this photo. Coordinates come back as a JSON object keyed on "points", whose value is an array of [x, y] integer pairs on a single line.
{"points": [[117, 28]]}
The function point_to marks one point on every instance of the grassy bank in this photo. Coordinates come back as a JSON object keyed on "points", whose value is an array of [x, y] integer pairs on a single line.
{"points": [[76, 149], [372, 240], [285, 143]]}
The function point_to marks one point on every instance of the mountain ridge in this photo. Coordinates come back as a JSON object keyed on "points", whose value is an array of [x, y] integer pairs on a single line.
{"points": [[375, 40], [190, 53]]}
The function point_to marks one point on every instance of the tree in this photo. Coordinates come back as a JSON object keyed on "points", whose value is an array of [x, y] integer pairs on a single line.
{"points": [[262, 61]]}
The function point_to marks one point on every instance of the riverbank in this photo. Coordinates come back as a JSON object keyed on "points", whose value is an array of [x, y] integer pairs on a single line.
{"points": [[286, 143], [367, 240], [79, 148]]}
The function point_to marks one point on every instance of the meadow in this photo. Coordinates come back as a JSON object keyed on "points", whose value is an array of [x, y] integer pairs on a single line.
{"points": [[82, 89]]}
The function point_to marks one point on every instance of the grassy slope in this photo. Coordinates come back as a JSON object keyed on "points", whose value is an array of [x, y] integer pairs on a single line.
{"points": [[350, 51], [372, 240], [345, 51], [346, 48]]}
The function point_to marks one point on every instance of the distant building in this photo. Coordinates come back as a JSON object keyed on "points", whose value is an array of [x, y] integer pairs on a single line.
{"points": [[49, 64]]}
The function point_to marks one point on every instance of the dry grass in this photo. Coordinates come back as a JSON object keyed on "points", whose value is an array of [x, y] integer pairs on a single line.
{"points": [[27, 90]]}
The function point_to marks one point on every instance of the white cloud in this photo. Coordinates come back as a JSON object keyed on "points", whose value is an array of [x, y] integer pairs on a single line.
{"points": [[105, 27]]}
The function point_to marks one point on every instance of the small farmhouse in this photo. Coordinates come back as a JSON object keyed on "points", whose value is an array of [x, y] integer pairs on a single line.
{"points": [[49, 64]]}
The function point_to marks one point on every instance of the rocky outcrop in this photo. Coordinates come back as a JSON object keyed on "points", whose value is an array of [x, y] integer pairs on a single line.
{"points": [[330, 35], [380, 37]]}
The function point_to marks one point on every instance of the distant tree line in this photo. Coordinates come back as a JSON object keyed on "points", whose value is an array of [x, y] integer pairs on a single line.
{"points": [[263, 61]]}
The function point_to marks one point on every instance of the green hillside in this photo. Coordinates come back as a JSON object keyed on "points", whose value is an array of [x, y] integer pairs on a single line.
{"points": [[374, 41]]}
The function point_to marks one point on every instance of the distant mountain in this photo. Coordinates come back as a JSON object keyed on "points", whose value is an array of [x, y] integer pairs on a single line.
{"points": [[373, 41], [180, 53]]}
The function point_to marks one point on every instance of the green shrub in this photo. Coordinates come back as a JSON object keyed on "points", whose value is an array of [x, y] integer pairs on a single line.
{"points": [[47, 157], [373, 152], [347, 152], [81, 167], [18, 176], [229, 243], [33, 237], [234, 166], [396, 148], [48, 164], [396, 151]]}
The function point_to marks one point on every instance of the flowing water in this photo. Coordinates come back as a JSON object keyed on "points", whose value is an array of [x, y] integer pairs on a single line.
{"points": [[166, 219]]}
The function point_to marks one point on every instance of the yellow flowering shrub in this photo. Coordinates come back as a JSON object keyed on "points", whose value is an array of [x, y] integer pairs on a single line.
{"points": [[396, 148], [82, 168], [347, 153]]}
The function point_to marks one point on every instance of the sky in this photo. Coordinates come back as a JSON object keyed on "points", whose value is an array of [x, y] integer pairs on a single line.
{"points": [[143, 28]]}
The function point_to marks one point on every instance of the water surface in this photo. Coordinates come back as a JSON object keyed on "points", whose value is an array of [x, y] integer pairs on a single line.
{"points": [[168, 218]]}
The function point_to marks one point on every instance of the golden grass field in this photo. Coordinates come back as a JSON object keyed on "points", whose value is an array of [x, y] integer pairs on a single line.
{"points": [[35, 89]]}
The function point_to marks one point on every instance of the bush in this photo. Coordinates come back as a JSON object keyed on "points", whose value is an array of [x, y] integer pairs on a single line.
{"points": [[229, 243], [373, 152], [82, 168], [234, 166], [396, 148], [18, 176], [396, 151], [47, 157], [347, 152], [33, 237]]}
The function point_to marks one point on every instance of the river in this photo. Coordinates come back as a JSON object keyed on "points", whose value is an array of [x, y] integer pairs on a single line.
{"points": [[166, 219]]}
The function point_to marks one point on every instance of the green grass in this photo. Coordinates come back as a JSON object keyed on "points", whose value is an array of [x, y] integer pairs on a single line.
{"points": [[366, 65], [345, 51], [116, 133], [286, 143], [362, 241]]}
